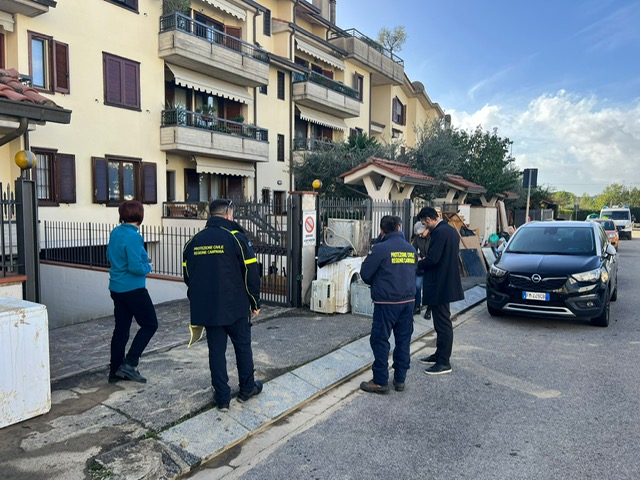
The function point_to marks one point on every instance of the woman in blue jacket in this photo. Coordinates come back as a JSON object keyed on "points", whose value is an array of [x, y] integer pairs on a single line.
{"points": [[130, 265]]}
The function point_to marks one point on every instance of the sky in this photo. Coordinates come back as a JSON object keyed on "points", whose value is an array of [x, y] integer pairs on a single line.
{"points": [[559, 78]]}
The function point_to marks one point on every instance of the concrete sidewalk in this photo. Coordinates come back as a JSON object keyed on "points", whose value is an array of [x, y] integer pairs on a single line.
{"points": [[166, 427]]}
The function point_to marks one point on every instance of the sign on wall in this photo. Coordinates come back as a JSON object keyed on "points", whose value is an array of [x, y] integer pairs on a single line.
{"points": [[309, 228]]}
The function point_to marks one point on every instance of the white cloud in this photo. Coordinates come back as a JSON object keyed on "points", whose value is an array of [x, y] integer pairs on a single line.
{"points": [[578, 144]]}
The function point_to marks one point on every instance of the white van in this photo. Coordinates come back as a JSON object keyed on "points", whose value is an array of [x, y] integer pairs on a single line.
{"points": [[621, 216]]}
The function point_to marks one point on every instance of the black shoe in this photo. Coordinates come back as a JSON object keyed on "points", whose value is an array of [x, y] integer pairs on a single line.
{"points": [[130, 373], [416, 311], [398, 386], [222, 407], [257, 388], [115, 378], [371, 387], [438, 369], [430, 360], [427, 314]]}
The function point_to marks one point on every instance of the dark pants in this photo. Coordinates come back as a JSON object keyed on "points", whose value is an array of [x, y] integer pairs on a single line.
{"points": [[126, 306], [240, 334], [441, 315], [419, 286], [387, 318]]}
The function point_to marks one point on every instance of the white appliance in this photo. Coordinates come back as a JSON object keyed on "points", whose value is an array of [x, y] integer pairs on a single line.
{"points": [[344, 232], [342, 274], [323, 296], [25, 387]]}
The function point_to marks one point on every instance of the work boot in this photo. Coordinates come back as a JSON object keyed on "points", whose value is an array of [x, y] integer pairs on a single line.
{"points": [[257, 388], [371, 387], [130, 372]]}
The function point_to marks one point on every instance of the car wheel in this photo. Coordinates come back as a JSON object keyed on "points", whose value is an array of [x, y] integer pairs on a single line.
{"points": [[494, 312], [602, 320]]}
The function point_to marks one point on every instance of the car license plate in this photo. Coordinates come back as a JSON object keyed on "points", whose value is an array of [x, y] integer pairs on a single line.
{"points": [[535, 296]]}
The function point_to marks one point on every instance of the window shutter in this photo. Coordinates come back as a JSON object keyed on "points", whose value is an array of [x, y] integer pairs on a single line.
{"points": [[112, 80], [404, 115], [149, 182], [131, 84], [61, 67], [66, 178], [100, 179], [266, 26]]}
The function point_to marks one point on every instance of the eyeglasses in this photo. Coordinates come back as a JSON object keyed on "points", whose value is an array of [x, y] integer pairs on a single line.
{"points": [[229, 204]]}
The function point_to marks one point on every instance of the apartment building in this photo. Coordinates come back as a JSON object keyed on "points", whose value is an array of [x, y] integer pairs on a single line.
{"points": [[174, 107]]}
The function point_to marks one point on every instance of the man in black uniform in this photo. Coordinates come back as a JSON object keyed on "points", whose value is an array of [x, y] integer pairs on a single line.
{"points": [[390, 269], [221, 273]]}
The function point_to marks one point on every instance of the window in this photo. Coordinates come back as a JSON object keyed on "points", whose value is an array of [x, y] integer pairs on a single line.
{"points": [[55, 177], [118, 179], [171, 186], [359, 85], [263, 89], [121, 82], [266, 23], [280, 85], [355, 132], [280, 148], [48, 63], [399, 112], [129, 4], [266, 195]]}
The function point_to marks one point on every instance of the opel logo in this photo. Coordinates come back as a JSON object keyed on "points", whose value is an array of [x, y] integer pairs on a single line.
{"points": [[535, 278]]}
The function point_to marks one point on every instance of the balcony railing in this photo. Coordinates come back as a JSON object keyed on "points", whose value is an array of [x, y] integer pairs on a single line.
{"points": [[186, 118], [178, 21], [312, 144], [352, 32], [326, 82]]}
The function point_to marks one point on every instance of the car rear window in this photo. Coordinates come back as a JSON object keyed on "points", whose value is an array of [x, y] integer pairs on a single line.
{"points": [[616, 214], [608, 225], [553, 240]]}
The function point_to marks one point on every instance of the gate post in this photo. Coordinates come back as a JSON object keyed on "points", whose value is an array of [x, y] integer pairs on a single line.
{"points": [[407, 218], [303, 221], [27, 233]]}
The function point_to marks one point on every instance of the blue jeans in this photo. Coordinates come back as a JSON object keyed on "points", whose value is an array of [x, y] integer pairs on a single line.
{"points": [[419, 285], [387, 318]]}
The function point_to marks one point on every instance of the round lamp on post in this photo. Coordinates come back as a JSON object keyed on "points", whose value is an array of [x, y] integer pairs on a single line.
{"points": [[316, 184], [25, 159]]}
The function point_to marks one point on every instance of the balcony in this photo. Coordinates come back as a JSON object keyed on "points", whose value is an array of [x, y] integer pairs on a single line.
{"points": [[28, 8], [387, 68], [321, 93], [191, 133], [195, 46], [312, 144]]}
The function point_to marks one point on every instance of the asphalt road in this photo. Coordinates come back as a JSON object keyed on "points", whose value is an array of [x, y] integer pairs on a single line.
{"points": [[527, 399]]}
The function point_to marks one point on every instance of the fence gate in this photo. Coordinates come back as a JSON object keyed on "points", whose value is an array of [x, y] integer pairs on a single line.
{"points": [[267, 227]]}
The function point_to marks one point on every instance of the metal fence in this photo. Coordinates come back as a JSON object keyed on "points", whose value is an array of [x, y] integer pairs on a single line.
{"points": [[9, 264]]}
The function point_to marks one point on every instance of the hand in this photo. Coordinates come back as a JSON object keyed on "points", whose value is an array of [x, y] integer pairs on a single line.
{"points": [[255, 313]]}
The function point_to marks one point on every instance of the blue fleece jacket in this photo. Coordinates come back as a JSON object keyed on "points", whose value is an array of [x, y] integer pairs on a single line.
{"points": [[128, 258]]}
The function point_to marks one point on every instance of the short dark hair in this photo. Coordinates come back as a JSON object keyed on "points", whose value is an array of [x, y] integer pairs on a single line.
{"points": [[389, 223], [428, 212], [131, 211], [220, 206]]}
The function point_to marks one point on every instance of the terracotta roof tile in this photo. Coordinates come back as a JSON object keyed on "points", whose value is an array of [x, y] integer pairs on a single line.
{"points": [[12, 89], [392, 166], [464, 183]]}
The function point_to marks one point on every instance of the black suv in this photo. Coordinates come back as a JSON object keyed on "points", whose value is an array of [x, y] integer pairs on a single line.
{"points": [[558, 269]]}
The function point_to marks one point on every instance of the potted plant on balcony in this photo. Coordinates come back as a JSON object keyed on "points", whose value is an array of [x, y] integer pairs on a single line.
{"points": [[175, 113], [207, 112]]}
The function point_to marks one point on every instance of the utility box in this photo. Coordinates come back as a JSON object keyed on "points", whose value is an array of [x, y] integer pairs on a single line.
{"points": [[361, 302], [345, 232], [342, 274], [323, 296], [25, 383]]}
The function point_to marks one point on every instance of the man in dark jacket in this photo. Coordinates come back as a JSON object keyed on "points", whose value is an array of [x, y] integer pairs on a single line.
{"points": [[221, 273], [442, 281], [390, 269]]}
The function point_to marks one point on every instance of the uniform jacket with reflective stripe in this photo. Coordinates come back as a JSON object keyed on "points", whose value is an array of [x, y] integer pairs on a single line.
{"points": [[390, 269], [221, 273]]}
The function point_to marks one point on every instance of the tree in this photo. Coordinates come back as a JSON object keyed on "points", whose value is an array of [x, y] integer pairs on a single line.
{"points": [[329, 163], [392, 39], [487, 161], [176, 6]]}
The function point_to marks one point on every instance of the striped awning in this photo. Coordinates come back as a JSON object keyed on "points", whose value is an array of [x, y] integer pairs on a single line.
{"points": [[198, 81], [224, 167], [315, 52], [229, 8], [321, 118]]}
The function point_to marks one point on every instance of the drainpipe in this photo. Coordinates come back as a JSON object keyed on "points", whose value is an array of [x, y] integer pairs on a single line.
{"points": [[332, 11]]}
